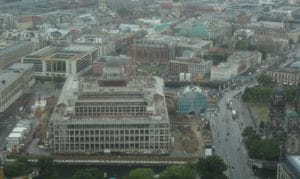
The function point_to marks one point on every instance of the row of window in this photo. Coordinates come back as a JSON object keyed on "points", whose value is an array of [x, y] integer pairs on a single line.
{"points": [[98, 147], [112, 132], [115, 126], [111, 139]]}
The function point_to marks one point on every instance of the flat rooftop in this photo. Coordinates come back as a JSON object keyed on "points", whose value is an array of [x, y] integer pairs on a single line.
{"points": [[72, 52], [9, 47], [148, 90], [7, 77]]}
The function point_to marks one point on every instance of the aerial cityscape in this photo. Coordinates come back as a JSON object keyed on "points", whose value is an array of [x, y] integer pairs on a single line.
{"points": [[150, 89]]}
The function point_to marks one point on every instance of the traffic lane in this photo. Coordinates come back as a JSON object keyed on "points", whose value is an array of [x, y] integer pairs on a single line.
{"points": [[232, 159]]}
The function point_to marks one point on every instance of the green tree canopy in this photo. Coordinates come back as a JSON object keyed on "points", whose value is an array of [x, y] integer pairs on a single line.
{"points": [[265, 80], [248, 131], [46, 168], [263, 149], [141, 173], [17, 168], [123, 11], [216, 58], [211, 167], [178, 172], [242, 45], [91, 173]]}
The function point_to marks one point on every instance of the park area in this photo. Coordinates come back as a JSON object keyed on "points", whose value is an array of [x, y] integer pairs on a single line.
{"points": [[260, 112], [153, 69]]}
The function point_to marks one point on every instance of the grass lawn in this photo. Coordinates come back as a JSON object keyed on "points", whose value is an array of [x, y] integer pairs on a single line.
{"points": [[261, 111], [151, 69]]}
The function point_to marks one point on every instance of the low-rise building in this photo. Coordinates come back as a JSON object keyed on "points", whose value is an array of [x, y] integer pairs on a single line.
{"points": [[287, 76], [14, 82], [223, 72], [197, 67], [19, 136], [123, 63], [151, 51], [105, 44], [245, 59], [62, 62]]}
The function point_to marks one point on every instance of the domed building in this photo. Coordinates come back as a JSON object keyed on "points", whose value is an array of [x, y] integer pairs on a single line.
{"points": [[191, 101]]}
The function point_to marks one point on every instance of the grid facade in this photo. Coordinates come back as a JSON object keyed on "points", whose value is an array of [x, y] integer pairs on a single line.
{"points": [[121, 137], [95, 119]]}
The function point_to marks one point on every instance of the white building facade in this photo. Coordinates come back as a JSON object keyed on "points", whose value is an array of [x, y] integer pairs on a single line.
{"points": [[223, 72]]}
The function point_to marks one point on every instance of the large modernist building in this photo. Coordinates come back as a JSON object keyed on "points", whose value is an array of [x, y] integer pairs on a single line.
{"points": [[63, 62], [111, 114], [14, 82]]}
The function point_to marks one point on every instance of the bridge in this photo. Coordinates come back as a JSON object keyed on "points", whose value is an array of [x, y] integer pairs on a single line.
{"points": [[114, 160]]}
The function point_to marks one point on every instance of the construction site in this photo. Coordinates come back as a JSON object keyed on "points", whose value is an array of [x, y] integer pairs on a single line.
{"points": [[31, 117], [190, 133]]}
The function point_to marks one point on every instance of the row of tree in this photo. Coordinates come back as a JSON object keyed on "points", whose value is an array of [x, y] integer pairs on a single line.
{"points": [[246, 45], [216, 58], [263, 94], [211, 167], [258, 148]]}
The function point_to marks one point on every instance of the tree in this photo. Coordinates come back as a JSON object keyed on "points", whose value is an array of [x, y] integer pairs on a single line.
{"points": [[265, 80], [257, 94], [141, 173], [248, 131], [178, 172], [216, 58], [17, 168], [211, 167], [262, 125], [263, 149], [270, 149], [46, 168], [91, 173], [242, 45], [123, 11]]}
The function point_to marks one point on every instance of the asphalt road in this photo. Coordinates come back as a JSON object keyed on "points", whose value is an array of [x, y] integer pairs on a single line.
{"points": [[227, 138]]}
